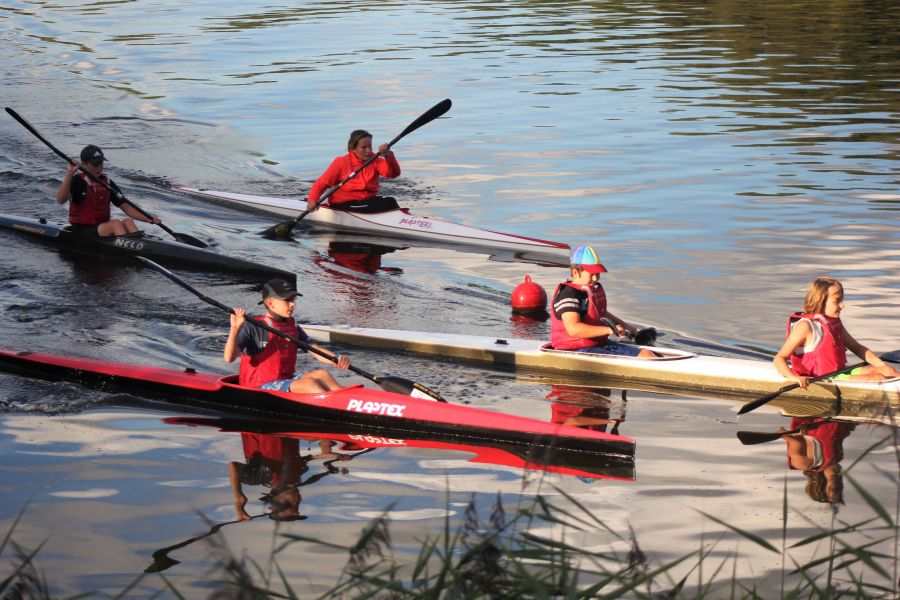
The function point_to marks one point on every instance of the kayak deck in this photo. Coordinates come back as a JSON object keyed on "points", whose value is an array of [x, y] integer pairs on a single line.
{"points": [[356, 404], [395, 223], [674, 370], [129, 246]]}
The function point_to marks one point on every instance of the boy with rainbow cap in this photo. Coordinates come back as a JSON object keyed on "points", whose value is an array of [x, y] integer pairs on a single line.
{"points": [[579, 318]]}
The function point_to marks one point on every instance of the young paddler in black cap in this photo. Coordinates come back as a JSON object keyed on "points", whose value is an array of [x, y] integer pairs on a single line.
{"points": [[268, 361], [89, 200]]}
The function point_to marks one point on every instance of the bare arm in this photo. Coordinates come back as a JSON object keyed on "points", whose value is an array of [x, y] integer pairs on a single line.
{"points": [[867, 355], [135, 214], [63, 194], [575, 327], [621, 325], [796, 450], [799, 337], [231, 351], [341, 362]]}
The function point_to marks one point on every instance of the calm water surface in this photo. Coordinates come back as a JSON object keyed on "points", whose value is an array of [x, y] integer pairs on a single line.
{"points": [[718, 155]]}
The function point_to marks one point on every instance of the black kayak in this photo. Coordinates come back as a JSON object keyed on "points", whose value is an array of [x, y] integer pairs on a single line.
{"points": [[138, 244]]}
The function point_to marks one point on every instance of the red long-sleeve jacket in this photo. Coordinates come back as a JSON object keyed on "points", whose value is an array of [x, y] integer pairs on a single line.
{"points": [[364, 185]]}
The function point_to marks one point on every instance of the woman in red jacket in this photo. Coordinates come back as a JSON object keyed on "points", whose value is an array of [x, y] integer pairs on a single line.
{"points": [[360, 193]]}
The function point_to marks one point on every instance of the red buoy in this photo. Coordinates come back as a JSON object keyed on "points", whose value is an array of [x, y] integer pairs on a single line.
{"points": [[528, 297]]}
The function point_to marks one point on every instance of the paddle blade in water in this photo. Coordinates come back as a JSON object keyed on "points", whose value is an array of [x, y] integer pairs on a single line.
{"points": [[190, 240], [768, 397], [420, 391], [399, 385], [281, 231]]}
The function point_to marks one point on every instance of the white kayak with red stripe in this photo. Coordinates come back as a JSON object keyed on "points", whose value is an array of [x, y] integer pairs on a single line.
{"points": [[399, 223]]}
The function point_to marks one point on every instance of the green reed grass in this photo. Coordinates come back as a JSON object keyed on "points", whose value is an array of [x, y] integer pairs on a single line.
{"points": [[499, 555]]}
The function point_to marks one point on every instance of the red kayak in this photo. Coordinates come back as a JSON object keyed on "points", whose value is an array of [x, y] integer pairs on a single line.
{"points": [[355, 404]]}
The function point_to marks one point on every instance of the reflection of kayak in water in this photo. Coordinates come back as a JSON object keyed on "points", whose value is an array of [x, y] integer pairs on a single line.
{"points": [[497, 452], [362, 244], [398, 223]]}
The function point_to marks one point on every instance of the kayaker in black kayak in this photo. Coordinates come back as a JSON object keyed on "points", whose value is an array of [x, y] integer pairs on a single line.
{"points": [[579, 319], [360, 194], [268, 361], [89, 201]]}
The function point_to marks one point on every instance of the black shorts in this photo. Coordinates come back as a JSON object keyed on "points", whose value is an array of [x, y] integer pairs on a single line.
{"points": [[373, 204], [85, 230]]}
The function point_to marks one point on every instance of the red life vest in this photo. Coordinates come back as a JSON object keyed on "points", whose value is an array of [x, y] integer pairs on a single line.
{"points": [[94, 207], [571, 401], [831, 436], [277, 360], [596, 310], [279, 455], [829, 356]]}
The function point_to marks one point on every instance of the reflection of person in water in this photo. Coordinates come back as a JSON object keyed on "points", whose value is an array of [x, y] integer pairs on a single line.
{"points": [[583, 407], [275, 462], [817, 449], [360, 257]]}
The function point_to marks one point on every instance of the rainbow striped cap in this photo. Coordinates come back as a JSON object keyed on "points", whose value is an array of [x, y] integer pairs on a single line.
{"points": [[587, 259]]}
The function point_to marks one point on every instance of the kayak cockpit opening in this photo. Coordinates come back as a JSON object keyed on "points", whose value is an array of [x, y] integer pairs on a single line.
{"points": [[661, 354]]}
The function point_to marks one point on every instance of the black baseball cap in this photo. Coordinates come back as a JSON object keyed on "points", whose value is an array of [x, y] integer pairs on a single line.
{"points": [[279, 288], [92, 154]]}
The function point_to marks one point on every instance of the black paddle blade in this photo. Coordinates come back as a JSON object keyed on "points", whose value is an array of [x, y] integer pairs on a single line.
{"points": [[281, 231], [892, 356], [646, 337], [190, 240], [161, 563], [399, 385], [767, 398], [425, 118], [749, 438]]}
